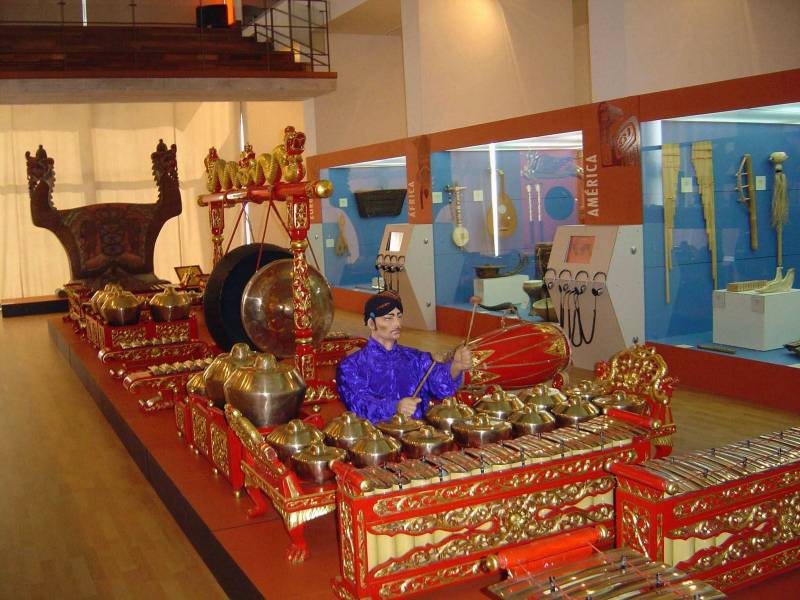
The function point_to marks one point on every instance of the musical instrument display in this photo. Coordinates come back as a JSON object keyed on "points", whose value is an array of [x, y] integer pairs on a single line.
{"points": [[341, 248], [519, 355], [506, 212], [460, 233], [728, 515]]}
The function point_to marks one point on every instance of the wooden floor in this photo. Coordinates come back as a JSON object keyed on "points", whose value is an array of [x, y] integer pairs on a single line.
{"points": [[78, 519]]}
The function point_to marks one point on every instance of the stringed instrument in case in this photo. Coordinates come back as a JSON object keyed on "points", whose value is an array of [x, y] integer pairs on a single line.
{"points": [[506, 212], [460, 233]]}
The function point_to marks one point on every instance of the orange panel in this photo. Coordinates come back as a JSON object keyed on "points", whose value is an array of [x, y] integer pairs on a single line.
{"points": [[612, 180]]}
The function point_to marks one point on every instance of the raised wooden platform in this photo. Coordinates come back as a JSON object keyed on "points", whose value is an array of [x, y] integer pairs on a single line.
{"points": [[33, 305], [246, 556]]}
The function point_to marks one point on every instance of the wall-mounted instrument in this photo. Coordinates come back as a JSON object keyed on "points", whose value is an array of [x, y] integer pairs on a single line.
{"points": [[747, 195], [703, 161], [670, 165], [780, 201], [380, 203], [506, 213], [460, 233], [341, 248]]}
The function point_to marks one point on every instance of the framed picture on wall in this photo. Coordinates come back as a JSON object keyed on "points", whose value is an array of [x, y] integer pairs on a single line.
{"points": [[189, 275]]}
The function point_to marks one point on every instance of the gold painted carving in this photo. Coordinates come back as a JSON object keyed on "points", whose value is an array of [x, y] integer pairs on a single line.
{"points": [[536, 506], [180, 415], [361, 539], [307, 367], [639, 370], [173, 330], [134, 336], [430, 580], [199, 430], [515, 479], [219, 449], [299, 215], [642, 492], [635, 530], [761, 567], [755, 530], [514, 525], [733, 495], [346, 542], [300, 291], [295, 510], [263, 455]]}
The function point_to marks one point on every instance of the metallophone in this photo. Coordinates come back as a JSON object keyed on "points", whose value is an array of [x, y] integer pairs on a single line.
{"points": [[604, 575], [730, 515], [421, 524]]}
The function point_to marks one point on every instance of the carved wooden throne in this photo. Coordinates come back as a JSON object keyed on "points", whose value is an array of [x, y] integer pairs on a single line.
{"points": [[113, 242]]}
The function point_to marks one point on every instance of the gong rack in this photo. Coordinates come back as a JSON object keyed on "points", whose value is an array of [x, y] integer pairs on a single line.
{"points": [[297, 197]]}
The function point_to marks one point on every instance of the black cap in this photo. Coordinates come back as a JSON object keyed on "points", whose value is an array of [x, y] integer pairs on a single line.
{"points": [[381, 304]]}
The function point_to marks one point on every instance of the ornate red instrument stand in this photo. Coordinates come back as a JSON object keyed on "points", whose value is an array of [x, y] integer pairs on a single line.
{"points": [[147, 332], [731, 535], [266, 477]]}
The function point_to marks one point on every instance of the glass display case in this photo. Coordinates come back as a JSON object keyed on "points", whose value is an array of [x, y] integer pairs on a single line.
{"points": [[495, 211], [721, 242], [366, 198]]}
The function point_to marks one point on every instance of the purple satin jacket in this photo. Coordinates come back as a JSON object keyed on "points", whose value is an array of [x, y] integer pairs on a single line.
{"points": [[373, 380]]}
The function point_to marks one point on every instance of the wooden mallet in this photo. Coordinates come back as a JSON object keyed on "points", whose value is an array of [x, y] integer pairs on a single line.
{"points": [[474, 300]]}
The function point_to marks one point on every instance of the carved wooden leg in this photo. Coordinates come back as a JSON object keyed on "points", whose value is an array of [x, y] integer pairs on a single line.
{"points": [[297, 551], [257, 496]]}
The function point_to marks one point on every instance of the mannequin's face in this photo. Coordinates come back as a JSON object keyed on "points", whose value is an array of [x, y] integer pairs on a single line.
{"points": [[386, 329]]}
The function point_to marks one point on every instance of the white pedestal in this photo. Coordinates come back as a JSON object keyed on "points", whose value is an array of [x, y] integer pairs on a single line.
{"points": [[756, 321], [501, 289]]}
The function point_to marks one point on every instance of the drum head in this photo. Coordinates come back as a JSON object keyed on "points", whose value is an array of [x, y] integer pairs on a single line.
{"points": [[268, 308], [223, 296]]}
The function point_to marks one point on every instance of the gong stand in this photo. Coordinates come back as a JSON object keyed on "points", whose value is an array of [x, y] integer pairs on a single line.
{"points": [[296, 195]]}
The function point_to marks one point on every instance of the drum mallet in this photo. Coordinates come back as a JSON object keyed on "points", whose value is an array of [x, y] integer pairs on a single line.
{"points": [[422, 382], [474, 300]]}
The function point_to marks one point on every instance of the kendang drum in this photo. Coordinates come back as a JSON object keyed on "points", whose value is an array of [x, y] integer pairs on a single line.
{"points": [[518, 356]]}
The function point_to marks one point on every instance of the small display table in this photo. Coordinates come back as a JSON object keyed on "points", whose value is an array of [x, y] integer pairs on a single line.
{"points": [[756, 321]]}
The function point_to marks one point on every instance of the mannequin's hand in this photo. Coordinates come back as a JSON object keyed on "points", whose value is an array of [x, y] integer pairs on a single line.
{"points": [[462, 359], [407, 406]]}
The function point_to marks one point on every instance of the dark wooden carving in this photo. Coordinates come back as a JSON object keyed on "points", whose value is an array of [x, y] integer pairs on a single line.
{"points": [[112, 242]]}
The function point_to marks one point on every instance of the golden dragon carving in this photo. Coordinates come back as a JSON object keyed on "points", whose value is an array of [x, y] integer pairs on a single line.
{"points": [[285, 163]]}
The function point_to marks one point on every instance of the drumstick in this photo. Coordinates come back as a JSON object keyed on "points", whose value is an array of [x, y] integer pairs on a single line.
{"points": [[474, 300], [424, 378], [421, 383]]}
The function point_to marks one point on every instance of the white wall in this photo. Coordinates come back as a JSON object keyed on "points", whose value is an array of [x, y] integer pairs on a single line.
{"points": [[483, 60], [640, 46], [368, 105]]}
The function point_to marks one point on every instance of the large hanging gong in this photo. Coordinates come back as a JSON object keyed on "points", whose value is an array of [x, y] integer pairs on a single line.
{"points": [[268, 308], [223, 295]]}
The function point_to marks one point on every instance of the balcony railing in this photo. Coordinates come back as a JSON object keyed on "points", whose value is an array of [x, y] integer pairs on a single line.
{"points": [[142, 37]]}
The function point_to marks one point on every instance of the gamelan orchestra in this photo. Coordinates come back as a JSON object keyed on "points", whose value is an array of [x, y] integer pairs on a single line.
{"points": [[484, 462]]}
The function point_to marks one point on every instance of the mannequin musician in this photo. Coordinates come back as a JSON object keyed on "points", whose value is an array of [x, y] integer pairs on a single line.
{"points": [[384, 378]]}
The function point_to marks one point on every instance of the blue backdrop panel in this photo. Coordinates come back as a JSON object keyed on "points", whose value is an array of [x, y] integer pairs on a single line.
{"points": [[363, 235]]}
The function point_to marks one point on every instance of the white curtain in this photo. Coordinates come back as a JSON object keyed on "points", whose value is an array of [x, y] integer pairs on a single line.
{"points": [[102, 154]]}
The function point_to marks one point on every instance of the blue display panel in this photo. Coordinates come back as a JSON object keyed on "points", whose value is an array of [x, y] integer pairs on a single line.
{"points": [[690, 311], [363, 235]]}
